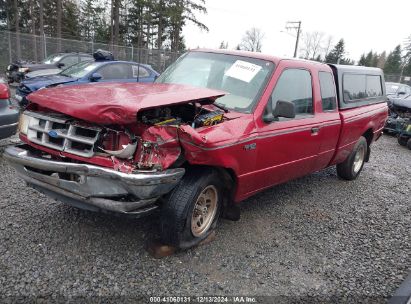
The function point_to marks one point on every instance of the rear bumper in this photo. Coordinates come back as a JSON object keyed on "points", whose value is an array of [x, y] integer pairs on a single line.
{"points": [[91, 187]]}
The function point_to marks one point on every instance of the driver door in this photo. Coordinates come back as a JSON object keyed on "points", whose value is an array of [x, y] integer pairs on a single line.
{"points": [[288, 147]]}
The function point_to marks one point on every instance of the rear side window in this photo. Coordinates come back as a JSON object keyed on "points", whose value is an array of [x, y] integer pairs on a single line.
{"points": [[295, 85], [115, 71], [139, 71], [359, 86], [374, 88], [328, 95]]}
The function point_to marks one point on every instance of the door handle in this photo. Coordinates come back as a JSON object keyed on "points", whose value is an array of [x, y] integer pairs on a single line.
{"points": [[315, 130]]}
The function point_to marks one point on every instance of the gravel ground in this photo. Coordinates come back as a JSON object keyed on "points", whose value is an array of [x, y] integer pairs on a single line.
{"points": [[314, 237]]}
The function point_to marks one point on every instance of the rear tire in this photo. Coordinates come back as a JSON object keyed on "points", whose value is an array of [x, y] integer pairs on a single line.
{"points": [[193, 209], [353, 164]]}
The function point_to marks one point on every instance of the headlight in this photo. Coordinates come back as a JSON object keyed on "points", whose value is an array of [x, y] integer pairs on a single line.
{"points": [[24, 70], [24, 123]]}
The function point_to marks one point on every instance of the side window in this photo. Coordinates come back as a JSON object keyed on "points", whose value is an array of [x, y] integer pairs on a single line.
{"points": [[354, 87], [69, 60], [361, 86], [295, 85], [139, 71], [115, 71], [374, 88], [328, 95]]}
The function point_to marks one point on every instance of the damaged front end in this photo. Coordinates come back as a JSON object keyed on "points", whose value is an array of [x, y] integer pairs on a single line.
{"points": [[400, 115], [123, 168]]}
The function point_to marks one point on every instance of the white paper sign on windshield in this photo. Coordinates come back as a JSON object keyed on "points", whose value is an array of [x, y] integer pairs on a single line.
{"points": [[243, 70]]}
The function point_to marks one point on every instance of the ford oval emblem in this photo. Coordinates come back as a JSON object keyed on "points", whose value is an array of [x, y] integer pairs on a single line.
{"points": [[53, 134]]}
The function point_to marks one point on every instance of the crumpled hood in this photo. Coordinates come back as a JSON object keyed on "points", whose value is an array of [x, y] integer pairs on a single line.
{"points": [[43, 81], [118, 103]]}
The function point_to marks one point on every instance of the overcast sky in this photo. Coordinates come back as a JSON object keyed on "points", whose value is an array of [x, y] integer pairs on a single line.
{"points": [[363, 24]]}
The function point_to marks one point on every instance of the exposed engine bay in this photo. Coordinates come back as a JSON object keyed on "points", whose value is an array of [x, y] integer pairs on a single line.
{"points": [[126, 140], [401, 108], [195, 116]]}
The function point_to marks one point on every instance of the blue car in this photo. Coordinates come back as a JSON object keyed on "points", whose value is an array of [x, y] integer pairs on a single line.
{"points": [[86, 72]]}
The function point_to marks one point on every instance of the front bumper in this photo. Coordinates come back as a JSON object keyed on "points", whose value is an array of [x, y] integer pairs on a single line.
{"points": [[91, 187]]}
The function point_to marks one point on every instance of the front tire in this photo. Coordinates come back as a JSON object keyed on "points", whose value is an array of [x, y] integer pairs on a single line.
{"points": [[353, 164], [193, 209]]}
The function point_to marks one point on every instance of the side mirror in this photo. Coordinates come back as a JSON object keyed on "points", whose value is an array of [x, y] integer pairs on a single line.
{"points": [[60, 65], [95, 77], [282, 109]]}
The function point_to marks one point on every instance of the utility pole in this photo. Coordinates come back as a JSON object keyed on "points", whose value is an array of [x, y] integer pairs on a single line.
{"points": [[294, 25]]}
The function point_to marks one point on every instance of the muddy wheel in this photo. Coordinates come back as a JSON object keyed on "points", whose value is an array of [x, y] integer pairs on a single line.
{"points": [[193, 208], [352, 166]]}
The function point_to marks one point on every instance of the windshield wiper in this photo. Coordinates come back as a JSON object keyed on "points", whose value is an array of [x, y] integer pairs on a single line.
{"points": [[220, 106]]}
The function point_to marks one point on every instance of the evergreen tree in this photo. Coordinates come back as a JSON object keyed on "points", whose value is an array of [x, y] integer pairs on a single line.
{"points": [[92, 19], [336, 55], [368, 59], [374, 60], [381, 60], [394, 61], [144, 23], [71, 20], [362, 61], [407, 57]]}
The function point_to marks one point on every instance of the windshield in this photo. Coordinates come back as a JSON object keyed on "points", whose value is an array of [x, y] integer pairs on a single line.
{"points": [[242, 77], [52, 59], [391, 88], [80, 69]]}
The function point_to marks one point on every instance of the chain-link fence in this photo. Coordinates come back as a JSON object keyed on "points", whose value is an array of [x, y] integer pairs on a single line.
{"points": [[35, 48], [398, 78]]}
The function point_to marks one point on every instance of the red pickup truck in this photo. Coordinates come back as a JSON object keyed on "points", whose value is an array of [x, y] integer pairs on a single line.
{"points": [[215, 128]]}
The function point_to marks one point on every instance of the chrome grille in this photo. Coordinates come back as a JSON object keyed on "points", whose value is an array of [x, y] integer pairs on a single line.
{"points": [[60, 133]]}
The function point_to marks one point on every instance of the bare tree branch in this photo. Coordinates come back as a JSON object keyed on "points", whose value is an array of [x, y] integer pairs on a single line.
{"points": [[252, 40], [313, 44]]}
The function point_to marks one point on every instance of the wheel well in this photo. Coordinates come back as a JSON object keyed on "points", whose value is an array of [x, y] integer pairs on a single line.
{"points": [[227, 174], [369, 134]]}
